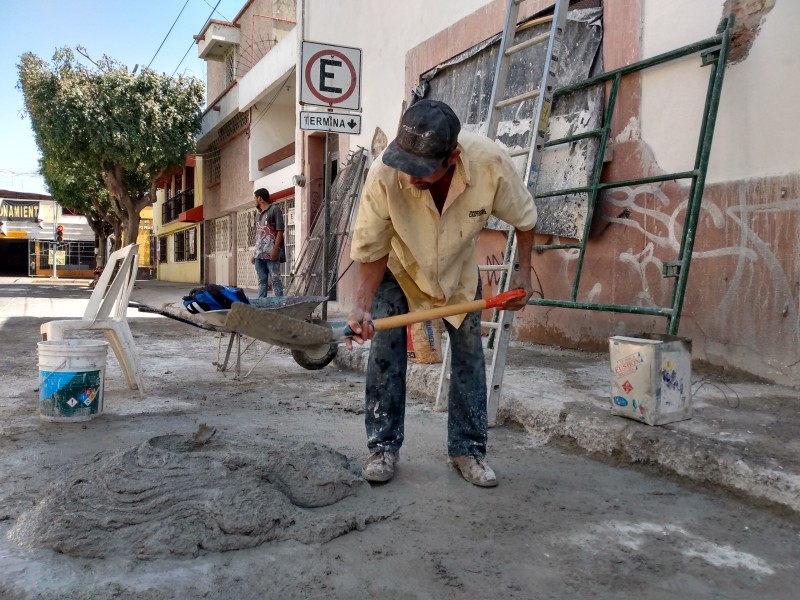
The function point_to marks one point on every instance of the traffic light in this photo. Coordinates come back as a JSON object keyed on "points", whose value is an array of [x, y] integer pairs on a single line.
{"points": [[60, 233]]}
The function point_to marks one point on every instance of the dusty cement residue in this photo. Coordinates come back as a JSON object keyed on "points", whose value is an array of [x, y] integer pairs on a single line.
{"points": [[178, 495]]}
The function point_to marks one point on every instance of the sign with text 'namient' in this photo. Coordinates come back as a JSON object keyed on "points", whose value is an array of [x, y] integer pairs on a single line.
{"points": [[16, 210], [332, 122], [331, 76]]}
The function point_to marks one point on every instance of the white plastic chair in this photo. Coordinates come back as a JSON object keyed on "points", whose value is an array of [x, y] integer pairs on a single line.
{"points": [[111, 293]]}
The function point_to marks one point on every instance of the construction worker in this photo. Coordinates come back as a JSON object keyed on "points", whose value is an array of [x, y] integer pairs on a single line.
{"points": [[425, 201]]}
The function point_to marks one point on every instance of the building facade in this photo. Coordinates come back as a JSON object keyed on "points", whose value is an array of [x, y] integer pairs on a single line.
{"points": [[744, 282], [247, 139], [28, 238], [742, 301], [175, 243]]}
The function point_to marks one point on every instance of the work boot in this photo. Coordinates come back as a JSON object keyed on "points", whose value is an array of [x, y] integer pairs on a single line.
{"points": [[379, 466], [474, 469]]}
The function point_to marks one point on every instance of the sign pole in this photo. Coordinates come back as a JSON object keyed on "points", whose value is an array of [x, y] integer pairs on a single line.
{"points": [[326, 208]]}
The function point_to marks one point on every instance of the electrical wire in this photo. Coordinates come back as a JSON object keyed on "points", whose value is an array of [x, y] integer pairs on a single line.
{"points": [[262, 113], [183, 59], [20, 173], [166, 36], [216, 11], [213, 10]]}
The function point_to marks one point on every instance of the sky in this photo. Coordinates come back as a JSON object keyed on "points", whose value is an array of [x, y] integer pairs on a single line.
{"points": [[129, 31]]}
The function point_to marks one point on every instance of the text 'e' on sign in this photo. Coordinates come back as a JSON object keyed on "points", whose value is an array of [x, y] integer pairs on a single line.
{"points": [[331, 76], [329, 121]]}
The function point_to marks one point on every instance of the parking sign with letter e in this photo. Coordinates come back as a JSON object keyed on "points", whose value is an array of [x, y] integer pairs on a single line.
{"points": [[331, 76]]}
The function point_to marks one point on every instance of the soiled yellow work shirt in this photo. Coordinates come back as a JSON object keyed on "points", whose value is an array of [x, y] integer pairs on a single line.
{"points": [[432, 256]]}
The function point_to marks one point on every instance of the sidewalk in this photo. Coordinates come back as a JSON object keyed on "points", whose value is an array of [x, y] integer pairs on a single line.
{"points": [[744, 435]]}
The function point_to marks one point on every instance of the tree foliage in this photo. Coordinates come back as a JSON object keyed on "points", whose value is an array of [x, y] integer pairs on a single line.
{"points": [[101, 123]]}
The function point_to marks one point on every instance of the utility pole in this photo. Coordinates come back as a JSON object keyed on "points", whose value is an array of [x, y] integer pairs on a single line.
{"points": [[326, 226], [55, 236]]}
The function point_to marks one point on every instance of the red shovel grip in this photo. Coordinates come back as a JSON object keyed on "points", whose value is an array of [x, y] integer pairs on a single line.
{"points": [[501, 299]]}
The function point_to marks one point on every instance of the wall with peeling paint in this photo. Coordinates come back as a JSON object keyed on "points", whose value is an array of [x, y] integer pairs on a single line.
{"points": [[742, 306], [743, 302], [759, 96]]}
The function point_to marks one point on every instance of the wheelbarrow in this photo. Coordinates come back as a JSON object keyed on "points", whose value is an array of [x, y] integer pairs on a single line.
{"points": [[296, 308]]}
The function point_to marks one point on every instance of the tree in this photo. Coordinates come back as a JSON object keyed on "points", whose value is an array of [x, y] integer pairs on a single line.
{"points": [[130, 127]]}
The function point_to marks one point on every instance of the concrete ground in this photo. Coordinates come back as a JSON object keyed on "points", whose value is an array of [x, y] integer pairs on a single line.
{"points": [[589, 505], [744, 434]]}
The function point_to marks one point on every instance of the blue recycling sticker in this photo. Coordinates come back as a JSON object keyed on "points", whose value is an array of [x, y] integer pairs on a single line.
{"points": [[620, 401]]}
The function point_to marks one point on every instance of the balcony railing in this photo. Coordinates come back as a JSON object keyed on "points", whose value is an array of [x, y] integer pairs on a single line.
{"points": [[176, 205]]}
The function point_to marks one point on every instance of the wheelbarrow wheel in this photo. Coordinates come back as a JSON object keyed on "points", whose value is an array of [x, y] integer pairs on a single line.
{"points": [[315, 358]]}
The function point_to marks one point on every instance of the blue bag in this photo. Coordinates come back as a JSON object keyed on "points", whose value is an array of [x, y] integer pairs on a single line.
{"points": [[213, 297]]}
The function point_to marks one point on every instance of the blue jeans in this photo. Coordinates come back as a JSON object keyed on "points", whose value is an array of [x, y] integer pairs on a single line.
{"points": [[264, 269], [386, 380]]}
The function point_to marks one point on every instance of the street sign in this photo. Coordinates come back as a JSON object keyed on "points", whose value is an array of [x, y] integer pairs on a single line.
{"points": [[61, 257], [330, 121], [331, 76]]}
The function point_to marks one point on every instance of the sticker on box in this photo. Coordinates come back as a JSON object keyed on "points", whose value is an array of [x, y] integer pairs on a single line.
{"points": [[628, 364]]}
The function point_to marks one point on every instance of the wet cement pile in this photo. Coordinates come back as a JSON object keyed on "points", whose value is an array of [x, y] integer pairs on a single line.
{"points": [[182, 496]]}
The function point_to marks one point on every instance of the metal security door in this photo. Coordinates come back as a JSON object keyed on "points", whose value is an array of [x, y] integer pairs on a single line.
{"points": [[219, 249], [289, 239], [245, 248]]}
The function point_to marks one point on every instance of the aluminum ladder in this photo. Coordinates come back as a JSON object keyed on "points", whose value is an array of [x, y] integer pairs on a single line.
{"points": [[543, 95]]}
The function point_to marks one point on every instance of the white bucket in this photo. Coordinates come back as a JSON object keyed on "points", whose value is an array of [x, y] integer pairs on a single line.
{"points": [[71, 379]]}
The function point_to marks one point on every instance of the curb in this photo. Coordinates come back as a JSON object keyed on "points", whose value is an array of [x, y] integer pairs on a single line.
{"points": [[589, 425]]}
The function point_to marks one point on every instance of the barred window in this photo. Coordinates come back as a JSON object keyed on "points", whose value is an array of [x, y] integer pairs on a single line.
{"points": [[230, 65], [185, 245], [214, 168], [162, 249]]}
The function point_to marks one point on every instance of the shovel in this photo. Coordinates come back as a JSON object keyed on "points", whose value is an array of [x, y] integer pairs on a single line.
{"points": [[295, 334]]}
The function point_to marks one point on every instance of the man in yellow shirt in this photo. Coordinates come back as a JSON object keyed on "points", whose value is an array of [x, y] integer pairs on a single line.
{"points": [[425, 201]]}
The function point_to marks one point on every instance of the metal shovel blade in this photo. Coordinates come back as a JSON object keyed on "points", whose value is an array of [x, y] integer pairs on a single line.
{"points": [[277, 329], [280, 330]]}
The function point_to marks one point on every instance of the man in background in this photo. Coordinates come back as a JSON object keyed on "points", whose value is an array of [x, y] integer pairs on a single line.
{"points": [[269, 252]]}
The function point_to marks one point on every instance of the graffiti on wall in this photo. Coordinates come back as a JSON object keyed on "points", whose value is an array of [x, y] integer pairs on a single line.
{"points": [[492, 278], [750, 250], [656, 220], [662, 235]]}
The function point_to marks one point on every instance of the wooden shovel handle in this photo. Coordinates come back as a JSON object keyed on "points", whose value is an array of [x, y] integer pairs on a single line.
{"points": [[446, 311]]}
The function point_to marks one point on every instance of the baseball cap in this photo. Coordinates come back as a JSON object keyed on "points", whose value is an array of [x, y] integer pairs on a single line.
{"points": [[428, 133]]}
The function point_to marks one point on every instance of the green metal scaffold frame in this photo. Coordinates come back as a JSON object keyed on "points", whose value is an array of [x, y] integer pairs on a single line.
{"points": [[714, 53]]}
